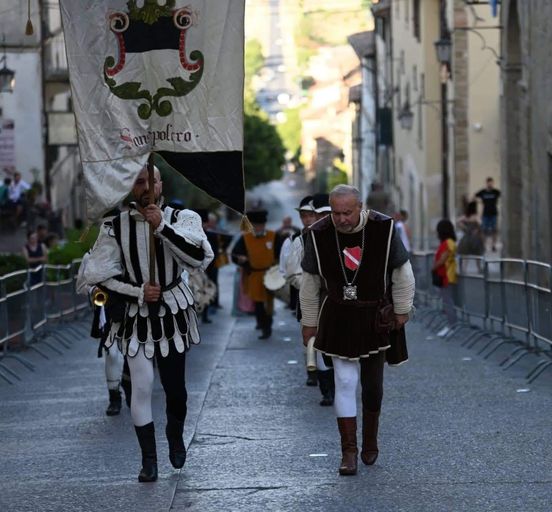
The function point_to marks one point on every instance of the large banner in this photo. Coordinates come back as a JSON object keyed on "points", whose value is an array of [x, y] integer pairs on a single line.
{"points": [[163, 77], [7, 146]]}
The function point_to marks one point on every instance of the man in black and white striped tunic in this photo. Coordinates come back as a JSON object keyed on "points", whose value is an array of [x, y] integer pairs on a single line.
{"points": [[151, 320]]}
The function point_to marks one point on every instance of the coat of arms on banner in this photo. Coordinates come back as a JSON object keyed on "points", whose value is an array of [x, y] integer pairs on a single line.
{"points": [[147, 28]]}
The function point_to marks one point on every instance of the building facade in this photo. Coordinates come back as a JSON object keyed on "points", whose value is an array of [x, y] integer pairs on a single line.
{"points": [[437, 121], [40, 106], [526, 108], [362, 96]]}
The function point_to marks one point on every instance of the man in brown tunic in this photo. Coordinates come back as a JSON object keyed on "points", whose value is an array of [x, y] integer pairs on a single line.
{"points": [[256, 253], [356, 256]]}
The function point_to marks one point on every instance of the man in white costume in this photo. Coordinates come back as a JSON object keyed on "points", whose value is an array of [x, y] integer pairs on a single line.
{"points": [[151, 320]]}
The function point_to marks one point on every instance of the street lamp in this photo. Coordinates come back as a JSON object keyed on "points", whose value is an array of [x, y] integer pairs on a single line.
{"points": [[7, 76], [406, 117], [443, 47]]}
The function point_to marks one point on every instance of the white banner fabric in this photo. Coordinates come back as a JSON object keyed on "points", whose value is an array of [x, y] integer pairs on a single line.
{"points": [[148, 77]]}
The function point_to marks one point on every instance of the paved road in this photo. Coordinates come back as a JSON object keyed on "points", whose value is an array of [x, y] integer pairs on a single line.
{"points": [[456, 434]]}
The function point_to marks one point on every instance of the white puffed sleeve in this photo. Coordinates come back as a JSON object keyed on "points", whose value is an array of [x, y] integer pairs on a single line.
{"points": [[186, 240]]}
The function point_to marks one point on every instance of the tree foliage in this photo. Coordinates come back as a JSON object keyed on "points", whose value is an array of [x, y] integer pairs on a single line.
{"points": [[254, 60], [263, 148], [290, 130]]}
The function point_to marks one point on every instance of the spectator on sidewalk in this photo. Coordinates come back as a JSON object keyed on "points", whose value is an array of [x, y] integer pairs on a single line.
{"points": [[5, 193], [380, 200], [52, 241], [402, 229], [17, 191], [489, 196], [444, 267], [472, 242], [36, 255], [42, 233]]}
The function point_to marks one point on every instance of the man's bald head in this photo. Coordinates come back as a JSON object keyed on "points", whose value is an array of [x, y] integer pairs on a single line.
{"points": [[140, 190], [346, 207]]}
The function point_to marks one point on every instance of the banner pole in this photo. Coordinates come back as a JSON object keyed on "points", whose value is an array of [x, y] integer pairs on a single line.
{"points": [[151, 186]]}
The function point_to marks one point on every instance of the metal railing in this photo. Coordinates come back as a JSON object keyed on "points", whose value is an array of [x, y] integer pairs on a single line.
{"points": [[498, 301], [32, 301]]}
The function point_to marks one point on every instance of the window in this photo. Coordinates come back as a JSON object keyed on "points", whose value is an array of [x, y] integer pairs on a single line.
{"points": [[416, 20]]}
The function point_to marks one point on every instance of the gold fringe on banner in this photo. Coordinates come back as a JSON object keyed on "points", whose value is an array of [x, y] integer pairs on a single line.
{"points": [[245, 225], [29, 30]]}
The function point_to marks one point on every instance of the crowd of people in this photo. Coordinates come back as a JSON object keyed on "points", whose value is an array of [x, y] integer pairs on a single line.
{"points": [[13, 197], [348, 281], [345, 274]]}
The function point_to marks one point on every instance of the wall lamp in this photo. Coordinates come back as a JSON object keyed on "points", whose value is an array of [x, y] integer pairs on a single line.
{"points": [[443, 47], [7, 76], [406, 117]]}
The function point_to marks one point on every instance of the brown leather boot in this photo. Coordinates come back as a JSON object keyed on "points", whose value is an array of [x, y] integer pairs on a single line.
{"points": [[370, 423], [349, 451]]}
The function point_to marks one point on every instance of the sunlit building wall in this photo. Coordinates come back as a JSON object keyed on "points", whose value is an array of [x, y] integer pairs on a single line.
{"points": [[415, 176]]}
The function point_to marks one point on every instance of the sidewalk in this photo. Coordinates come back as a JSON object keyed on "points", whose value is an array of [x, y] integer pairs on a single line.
{"points": [[455, 434]]}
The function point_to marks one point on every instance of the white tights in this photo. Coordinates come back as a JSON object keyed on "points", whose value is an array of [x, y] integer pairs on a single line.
{"points": [[141, 375], [347, 376], [113, 367], [320, 364]]}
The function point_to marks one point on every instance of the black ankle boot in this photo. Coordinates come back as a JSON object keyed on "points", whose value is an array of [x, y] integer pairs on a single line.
{"points": [[266, 333], [146, 438], [327, 386], [177, 450], [114, 406], [312, 378]]}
